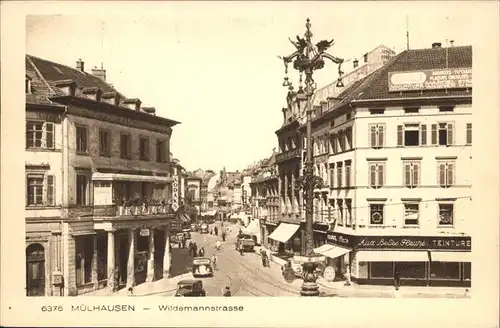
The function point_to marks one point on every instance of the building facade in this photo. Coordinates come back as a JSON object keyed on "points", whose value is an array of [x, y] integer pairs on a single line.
{"points": [[394, 155], [99, 188]]}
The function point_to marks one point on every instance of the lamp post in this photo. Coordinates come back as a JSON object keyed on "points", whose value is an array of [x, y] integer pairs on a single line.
{"points": [[307, 58]]}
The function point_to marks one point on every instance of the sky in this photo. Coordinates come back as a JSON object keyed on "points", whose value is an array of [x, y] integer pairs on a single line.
{"points": [[214, 67]]}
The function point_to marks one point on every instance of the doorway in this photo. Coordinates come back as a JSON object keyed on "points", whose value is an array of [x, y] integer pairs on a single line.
{"points": [[35, 270]]}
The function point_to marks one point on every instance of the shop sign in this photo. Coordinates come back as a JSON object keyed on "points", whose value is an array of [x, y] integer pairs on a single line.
{"points": [[414, 242], [144, 232], [329, 273], [453, 78], [175, 193], [339, 239]]}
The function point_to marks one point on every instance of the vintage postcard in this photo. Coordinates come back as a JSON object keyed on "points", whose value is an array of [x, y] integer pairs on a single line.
{"points": [[279, 163]]}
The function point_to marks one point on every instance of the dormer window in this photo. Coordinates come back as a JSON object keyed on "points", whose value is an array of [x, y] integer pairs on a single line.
{"points": [[92, 93], [67, 86], [27, 85]]}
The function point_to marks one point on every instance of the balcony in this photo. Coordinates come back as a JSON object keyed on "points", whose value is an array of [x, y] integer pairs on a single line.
{"points": [[288, 155]]}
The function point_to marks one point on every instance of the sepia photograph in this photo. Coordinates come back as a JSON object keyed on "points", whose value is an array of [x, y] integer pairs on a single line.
{"points": [[246, 153]]}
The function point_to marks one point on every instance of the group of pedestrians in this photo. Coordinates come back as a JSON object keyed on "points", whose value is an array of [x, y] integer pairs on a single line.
{"points": [[194, 251]]}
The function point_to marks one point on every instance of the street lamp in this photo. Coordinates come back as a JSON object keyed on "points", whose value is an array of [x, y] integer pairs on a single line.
{"points": [[306, 59]]}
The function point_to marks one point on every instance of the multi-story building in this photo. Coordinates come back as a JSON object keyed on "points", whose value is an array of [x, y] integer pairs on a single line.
{"points": [[394, 150], [193, 191], [98, 183]]}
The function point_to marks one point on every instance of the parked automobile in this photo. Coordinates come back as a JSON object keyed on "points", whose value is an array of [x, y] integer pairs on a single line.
{"points": [[191, 287], [202, 267], [204, 228], [245, 242]]}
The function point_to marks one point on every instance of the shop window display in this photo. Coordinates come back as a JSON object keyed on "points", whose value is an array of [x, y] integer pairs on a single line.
{"points": [[445, 270], [412, 270], [363, 270], [467, 270], [381, 270]]}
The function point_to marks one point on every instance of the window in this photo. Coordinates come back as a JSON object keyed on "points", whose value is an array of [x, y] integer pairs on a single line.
{"points": [[35, 190], [125, 146], [411, 270], [381, 270], [105, 143], [333, 141], [467, 271], [348, 206], [412, 110], [377, 173], [81, 139], [445, 270], [40, 135], [161, 151], [340, 206], [377, 111], [349, 138], [339, 175], [332, 175], [469, 134], [82, 189], [411, 213], [411, 176], [446, 174], [27, 85], [377, 214], [446, 108], [446, 214], [442, 134], [377, 136], [342, 141], [144, 149], [411, 135], [348, 174]]}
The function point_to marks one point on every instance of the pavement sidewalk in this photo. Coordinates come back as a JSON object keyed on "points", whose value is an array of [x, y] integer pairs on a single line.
{"points": [[338, 288], [145, 289]]}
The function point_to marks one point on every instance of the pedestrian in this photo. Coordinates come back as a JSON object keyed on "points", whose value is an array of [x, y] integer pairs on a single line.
{"points": [[214, 261], [195, 249], [263, 255], [217, 245], [397, 277], [223, 236]]}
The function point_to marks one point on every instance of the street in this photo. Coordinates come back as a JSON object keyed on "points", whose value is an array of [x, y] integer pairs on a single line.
{"points": [[243, 273]]}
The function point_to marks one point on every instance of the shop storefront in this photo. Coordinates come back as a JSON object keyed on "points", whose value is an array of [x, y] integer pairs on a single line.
{"points": [[337, 250], [420, 260], [288, 237]]}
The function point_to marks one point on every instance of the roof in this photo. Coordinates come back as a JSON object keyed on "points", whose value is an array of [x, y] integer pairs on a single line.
{"points": [[41, 90], [375, 86], [418, 59]]}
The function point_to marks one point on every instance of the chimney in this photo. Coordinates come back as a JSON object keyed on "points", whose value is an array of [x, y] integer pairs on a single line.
{"points": [[436, 45], [99, 72], [149, 110], [355, 63], [80, 65], [451, 43]]}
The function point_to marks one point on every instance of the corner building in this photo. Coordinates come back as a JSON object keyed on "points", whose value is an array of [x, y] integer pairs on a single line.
{"points": [[98, 184], [395, 151]]}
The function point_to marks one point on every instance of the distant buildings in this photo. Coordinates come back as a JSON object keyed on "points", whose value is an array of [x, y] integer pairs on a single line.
{"points": [[99, 187]]}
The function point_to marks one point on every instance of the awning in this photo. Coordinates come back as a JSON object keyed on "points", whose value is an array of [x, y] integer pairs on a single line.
{"points": [[336, 251], [392, 256], [323, 248], [451, 257], [129, 177], [284, 232], [253, 228], [184, 217]]}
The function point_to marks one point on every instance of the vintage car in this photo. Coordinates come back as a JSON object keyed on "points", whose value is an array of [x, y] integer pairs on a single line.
{"points": [[245, 242], [194, 227], [187, 233], [204, 228], [192, 287], [202, 267]]}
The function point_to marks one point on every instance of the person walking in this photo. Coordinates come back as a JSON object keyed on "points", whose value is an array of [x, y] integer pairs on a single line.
{"points": [[226, 291], [217, 245], [263, 255], [216, 231], [223, 236], [195, 250], [214, 261]]}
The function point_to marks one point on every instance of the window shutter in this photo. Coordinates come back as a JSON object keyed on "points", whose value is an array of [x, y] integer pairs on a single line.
{"points": [[380, 175], [449, 134], [49, 135], [416, 174], [407, 175], [423, 134], [29, 136], [449, 174], [400, 135], [434, 134], [373, 136], [442, 174], [51, 190], [469, 133], [373, 175], [380, 136]]}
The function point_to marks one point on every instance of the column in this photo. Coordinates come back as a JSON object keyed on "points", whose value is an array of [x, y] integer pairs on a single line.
{"points": [[151, 256], [111, 261], [131, 258], [166, 254], [293, 202], [286, 192], [94, 277], [281, 209]]}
